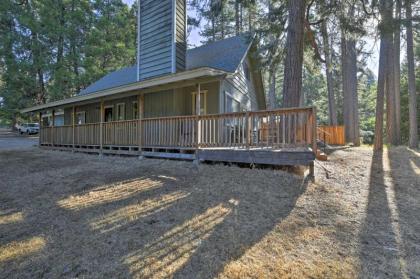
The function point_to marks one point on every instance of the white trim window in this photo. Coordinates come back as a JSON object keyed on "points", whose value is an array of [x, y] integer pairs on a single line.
{"points": [[80, 117], [120, 111]]}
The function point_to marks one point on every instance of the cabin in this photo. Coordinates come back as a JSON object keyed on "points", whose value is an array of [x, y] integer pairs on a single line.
{"points": [[202, 104]]}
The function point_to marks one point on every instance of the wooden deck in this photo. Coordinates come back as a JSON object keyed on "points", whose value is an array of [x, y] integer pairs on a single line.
{"points": [[275, 137]]}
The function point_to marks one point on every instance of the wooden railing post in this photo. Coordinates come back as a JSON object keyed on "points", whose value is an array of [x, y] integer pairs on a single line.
{"points": [[248, 129], [101, 127], [314, 128]]}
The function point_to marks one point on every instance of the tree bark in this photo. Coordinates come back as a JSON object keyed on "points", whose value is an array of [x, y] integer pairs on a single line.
{"points": [[237, 19], [387, 26], [380, 95], [397, 72], [413, 139], [386, 81], [332, 110], [292, 84], [349, 76], [272, 100]]}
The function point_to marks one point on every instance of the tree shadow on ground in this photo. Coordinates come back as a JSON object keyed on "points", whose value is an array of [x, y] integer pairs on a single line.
{"points": [[142, 220], [382, 253], [405, 173]]}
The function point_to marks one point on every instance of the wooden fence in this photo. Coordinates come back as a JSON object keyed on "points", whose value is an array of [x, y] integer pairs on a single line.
{"points": [[331, 134], [282, 128]]}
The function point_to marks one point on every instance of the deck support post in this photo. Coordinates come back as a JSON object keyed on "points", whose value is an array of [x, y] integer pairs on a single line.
{"points": [[52, 126], [198, 124], [312, 171], [73, 120], [140, 109], [101, 128]]}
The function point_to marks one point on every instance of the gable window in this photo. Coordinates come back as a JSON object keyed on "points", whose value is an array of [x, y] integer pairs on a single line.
{"points": [[81, 117], [120, 111], [135, 110], [246, 71], [108, 111], [232, 105]]}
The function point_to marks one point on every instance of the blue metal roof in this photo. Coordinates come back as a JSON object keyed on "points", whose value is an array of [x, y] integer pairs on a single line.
{"points": [[223, 55]]}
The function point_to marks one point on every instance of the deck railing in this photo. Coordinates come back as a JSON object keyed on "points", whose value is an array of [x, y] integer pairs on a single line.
{"points": [[281, 128]]}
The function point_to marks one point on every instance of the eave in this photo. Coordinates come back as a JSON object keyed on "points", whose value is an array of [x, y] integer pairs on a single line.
{"points": [[173, 78]]}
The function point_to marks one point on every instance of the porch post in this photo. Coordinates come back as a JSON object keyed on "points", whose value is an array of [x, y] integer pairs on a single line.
{"points": [[101, 128], [198, 124], [73, 118], [40, 129], [52, 126], [140, 109]]}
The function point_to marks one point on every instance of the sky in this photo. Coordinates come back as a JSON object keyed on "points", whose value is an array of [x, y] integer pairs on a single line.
{"points": [[194, 40]]}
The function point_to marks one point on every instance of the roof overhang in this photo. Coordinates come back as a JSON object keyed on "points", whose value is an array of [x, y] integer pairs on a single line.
{"points": [[145, 84]]}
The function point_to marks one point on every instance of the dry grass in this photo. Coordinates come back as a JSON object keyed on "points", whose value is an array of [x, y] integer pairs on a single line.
{"points": [[74, 215], [19, 249]]}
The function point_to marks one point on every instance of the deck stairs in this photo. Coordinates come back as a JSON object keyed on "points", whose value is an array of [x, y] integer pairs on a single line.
{"points": [[320, 153]]}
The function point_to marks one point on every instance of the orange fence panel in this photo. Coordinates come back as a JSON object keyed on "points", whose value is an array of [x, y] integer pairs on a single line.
{"points": [[332, 134]]}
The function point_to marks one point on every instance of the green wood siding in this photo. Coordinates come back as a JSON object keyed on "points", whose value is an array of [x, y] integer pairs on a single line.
{"points": [[242, 89], [172, 102], [162, 37]]}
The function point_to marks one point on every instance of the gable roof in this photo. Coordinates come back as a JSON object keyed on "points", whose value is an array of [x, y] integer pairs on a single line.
{"points": [[225, 55]]}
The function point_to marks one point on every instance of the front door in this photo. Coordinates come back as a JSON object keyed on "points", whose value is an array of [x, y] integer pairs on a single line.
{"points": [[203, 103], [108, 114]]}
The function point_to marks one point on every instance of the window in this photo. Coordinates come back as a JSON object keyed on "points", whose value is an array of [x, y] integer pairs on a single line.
{"points": [[108, 111], [232, 105], [203, 102], [81, 117], [120, 111], [135, 110], [59, 120], [246, 71]]}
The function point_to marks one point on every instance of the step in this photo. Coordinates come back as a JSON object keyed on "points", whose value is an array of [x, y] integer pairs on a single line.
{"points": [[321, 155]]}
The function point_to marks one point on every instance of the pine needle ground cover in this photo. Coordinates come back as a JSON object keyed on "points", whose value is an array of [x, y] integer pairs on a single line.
{"points": [[75, 215]]}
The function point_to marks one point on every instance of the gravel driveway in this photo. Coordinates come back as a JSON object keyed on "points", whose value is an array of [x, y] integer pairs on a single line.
{"points": [[11, 141]]}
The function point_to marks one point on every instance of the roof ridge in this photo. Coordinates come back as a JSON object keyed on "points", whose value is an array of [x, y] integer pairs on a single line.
{"points": [[242, 35]]}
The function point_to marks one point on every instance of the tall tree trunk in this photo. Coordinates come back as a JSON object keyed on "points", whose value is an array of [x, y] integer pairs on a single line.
{"points": [[380, 95], [272, 100], [332, 111], [237, 19], [413, 140], [388, 27], [349, 76], [386, 81], [397, 72], [292, 84]]}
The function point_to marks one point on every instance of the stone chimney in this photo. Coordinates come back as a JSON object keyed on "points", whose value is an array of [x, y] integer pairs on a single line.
{"points": [[161, 37]]}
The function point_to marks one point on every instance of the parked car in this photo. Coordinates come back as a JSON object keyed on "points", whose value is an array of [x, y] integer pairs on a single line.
{"points": [[28, 128]]}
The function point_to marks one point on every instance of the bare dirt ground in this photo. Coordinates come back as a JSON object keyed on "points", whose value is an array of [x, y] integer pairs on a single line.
{"points": [[65, 215]]}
